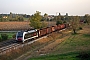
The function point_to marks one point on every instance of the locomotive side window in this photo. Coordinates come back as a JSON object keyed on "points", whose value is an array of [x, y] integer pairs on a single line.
{"points": [[28, 35]]}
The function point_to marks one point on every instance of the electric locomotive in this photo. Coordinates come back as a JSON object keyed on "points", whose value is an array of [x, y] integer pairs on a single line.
{"points": [[22, 36]]}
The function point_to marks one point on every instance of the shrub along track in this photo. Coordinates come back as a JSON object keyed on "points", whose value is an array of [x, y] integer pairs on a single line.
{"points": [[46, 45]]}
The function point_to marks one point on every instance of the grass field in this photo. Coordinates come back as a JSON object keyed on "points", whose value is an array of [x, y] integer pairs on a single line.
{"points": [[76, 47], [10, 34]]}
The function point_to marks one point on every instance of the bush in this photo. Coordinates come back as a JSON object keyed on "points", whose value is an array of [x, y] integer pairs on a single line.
{"points": [[4, 36], [14, 36], [59, 22], [64, 22], [0, 39]]}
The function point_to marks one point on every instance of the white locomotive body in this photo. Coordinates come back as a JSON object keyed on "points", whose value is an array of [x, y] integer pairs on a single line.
{"points": [[26, 35]]}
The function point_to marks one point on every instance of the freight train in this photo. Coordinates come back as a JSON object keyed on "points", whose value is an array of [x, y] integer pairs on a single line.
{"points": [[23, 36]]}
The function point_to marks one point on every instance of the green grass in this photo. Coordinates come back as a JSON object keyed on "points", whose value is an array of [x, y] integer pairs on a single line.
{"points": [[10, 34], [68, 56], [76, 47], [26, 19], [86, 35]]}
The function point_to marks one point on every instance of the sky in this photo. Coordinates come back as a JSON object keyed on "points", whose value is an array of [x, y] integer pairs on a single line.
{"points": [[51, 7]]}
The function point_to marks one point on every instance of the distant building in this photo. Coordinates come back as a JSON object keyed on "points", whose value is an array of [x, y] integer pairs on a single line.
{"points": [[5, 17], [50, 17]]}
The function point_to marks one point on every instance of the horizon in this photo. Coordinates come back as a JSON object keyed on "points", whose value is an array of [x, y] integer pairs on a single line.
{"points": [[47, 13]]}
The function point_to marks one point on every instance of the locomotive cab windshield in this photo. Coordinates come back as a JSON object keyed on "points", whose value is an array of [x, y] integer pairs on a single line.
{"points": [[19, 36]]}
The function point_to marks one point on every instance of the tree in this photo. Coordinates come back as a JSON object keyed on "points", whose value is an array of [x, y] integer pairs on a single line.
{"points": [[87, 18], [75, 23], [1, 19], [20, 18], [35, 20], [62, 18], [58, 17], [59, 22], [66, 16], [44, 24], [11, 15], [45, 16], [16, 18]]}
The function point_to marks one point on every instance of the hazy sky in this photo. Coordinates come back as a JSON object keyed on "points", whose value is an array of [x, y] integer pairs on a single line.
{"points": [[72, 7]]}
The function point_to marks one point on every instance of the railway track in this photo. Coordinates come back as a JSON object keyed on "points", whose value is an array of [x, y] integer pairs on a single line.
{"points": [[5, 43], [8, 46], [12, 45]]}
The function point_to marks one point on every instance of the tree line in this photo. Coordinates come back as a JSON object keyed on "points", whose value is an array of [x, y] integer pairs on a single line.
{"points": [[13, 17], [74, 21], [37, 20]]}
